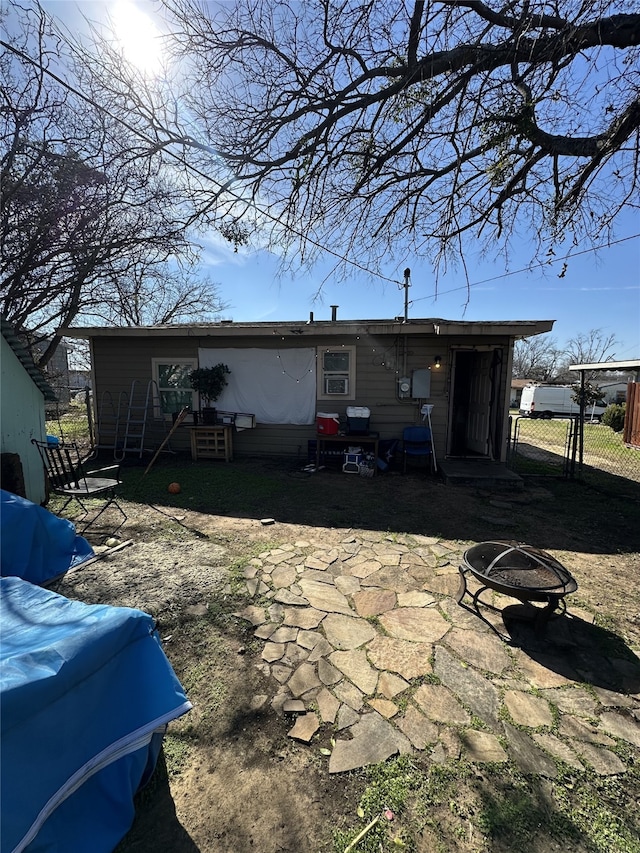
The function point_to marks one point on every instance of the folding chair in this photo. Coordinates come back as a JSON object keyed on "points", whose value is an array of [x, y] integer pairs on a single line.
{"points": [[416, 442], [68, 477]]}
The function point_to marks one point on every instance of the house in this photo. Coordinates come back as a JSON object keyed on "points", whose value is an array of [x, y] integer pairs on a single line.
{"points": [[614, 389], [56, 371], [517, 386], [287, 372], [23, 393]]}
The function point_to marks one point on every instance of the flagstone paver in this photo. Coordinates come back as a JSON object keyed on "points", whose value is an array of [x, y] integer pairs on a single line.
{"points": [[603, 761], [483, 746], [303, 617], [384, 707], [283, 575], [305, 727], [327, 705], [621, 726], [284, 635], [485, 651], [253, 614], [572, 700], [439, 703], [356, 667], [420, 625], [390, 685], [322, 596], [574, 727], [349, 694], [307, 639], [613, 700], [346, 717], [347, 584], [420, 731], [348, 632], [303, 679], [320, 650], [528, 755], [373, 602], [545, 671], [528, 710], [558, 749], [273, 651], [473, 689], [285, 596], [350, 628], [390, 577], [409, 660], [374, 740], [328, 673], [415, 598]]}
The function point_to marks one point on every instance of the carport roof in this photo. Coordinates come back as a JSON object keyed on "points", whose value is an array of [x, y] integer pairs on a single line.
{"points": [[632, 364]]}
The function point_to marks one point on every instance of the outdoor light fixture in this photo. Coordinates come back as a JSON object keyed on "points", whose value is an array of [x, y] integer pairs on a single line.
{"points": [[437, 361]]}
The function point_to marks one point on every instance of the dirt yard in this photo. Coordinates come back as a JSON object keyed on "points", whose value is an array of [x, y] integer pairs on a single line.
{"points": [[231, 779]]}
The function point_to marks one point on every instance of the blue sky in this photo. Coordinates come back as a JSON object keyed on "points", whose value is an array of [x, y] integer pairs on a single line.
{"points": [[599, 290]]}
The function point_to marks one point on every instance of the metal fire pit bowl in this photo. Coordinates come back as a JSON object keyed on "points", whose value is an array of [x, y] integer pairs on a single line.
{"points": [[518, 570]]}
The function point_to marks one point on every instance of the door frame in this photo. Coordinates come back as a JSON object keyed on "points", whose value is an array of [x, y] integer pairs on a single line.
{"points": [[495, 413]]}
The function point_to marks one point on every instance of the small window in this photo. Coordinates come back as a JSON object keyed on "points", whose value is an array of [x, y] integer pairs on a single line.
{"points": [[174, 389], [336, 373]]}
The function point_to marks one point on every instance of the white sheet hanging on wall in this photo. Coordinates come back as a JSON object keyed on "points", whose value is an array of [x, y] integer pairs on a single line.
{"points": [[277, 386]]}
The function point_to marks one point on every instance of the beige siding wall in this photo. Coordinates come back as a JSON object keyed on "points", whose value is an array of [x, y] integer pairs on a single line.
{"points": [[381, 360]]}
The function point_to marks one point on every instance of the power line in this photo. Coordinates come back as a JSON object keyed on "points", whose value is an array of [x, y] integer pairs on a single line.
{"points": [[136, 131], [250, 203], [529, 268]]}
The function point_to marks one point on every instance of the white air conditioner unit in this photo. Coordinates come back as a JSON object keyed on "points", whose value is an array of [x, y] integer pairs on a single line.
{"points": [[336, 384]]}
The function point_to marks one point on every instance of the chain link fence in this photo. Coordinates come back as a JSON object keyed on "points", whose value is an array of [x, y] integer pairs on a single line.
{"points": [[72, 421], [556, 448]]}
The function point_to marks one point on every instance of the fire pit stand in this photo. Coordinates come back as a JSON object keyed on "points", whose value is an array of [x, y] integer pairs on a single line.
{"points": [[518, 570]]}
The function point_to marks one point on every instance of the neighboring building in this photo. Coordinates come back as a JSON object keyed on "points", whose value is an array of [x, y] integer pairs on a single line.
{"points": [[615, 390], [23, 392], [285, 373], [56, 370], [79, 380], [516, 391]]}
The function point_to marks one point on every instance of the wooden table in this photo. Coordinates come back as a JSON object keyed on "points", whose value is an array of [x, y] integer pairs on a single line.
{"points": [[212, 442], [363, 441]]}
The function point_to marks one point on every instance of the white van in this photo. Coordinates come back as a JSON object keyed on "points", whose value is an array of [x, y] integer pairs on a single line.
{"points": [[548, 401]]}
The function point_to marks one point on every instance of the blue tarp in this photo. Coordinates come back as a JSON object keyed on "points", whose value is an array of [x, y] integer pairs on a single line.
{"points": [[86, 692], [35, 544]]}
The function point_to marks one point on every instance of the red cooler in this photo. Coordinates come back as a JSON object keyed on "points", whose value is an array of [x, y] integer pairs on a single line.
{"points": [[327, 423]]}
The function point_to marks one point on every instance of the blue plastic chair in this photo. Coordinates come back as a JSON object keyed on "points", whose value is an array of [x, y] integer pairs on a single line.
{"points": [[416, 442]]}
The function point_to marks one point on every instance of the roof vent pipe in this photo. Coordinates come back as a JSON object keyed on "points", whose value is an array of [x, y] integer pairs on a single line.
{"points": [[311, 316], [334, 313]]}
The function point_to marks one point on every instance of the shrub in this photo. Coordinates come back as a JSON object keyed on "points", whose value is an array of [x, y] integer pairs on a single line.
{"points": [[613, 416]]}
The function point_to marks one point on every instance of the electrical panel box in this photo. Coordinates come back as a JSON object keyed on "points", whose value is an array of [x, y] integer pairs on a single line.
{"points": [[421, 383]]}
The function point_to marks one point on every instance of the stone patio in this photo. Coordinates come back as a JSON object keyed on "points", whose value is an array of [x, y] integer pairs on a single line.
{"points": [[365, 638]]}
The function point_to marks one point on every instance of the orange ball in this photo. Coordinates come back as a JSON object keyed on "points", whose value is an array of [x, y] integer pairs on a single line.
{"points": [[174, 488]]}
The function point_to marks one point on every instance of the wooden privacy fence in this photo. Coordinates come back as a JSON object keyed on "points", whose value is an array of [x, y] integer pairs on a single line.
{"points": [[631, 434]]}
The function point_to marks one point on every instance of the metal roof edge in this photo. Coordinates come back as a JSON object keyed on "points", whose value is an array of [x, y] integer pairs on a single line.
{"points": [[632, 364], [436, 326]]}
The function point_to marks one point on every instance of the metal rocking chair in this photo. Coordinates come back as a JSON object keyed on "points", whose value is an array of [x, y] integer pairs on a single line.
{"points": [[68, 477]]}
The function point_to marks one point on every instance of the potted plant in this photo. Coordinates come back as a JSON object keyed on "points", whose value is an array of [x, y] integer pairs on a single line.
{"points": [[209, 382]]}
